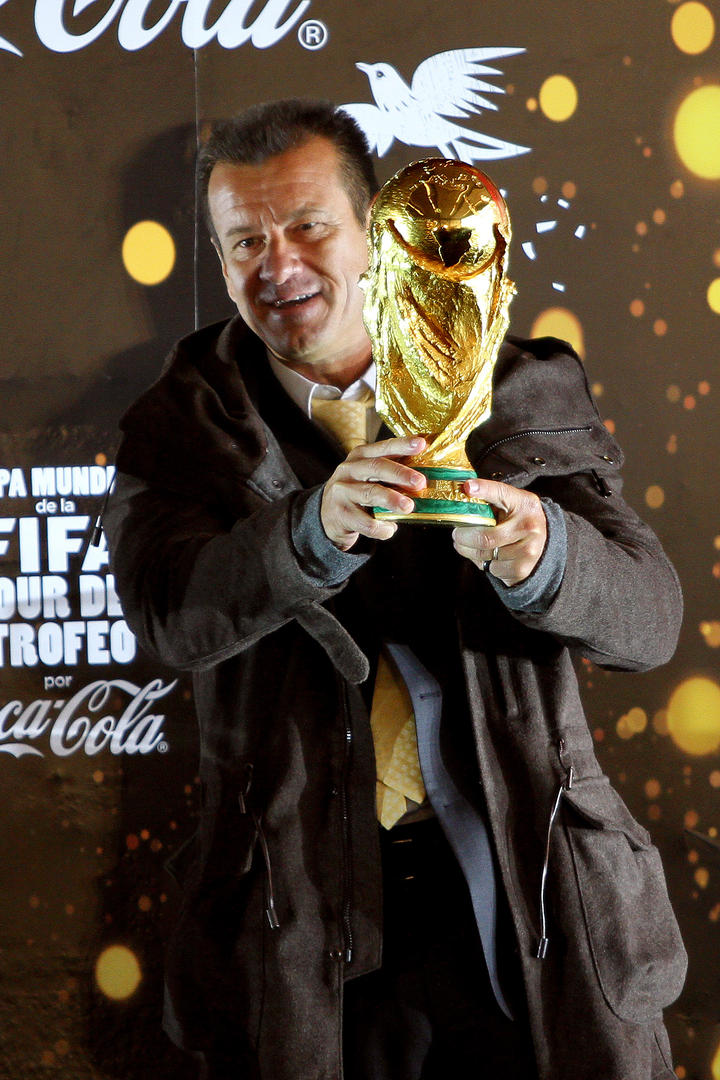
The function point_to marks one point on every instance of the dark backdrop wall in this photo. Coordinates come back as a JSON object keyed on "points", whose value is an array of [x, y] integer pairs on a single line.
{"points": [[605, 136]]}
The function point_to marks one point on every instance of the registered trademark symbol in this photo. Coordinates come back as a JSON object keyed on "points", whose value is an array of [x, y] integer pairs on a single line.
{"points": [[162, 748], [313, 34]]}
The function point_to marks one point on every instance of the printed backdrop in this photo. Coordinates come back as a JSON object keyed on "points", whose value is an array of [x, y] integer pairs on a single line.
{"points": [[601, 122]]}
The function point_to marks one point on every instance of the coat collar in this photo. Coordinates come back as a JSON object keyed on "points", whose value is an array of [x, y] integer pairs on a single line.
{"points": [[198, 427]]}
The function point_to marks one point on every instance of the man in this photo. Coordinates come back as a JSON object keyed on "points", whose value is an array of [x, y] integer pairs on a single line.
{"points": [[511, 917]]}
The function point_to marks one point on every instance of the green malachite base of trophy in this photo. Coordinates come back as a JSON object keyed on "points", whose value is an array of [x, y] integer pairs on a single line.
{"points": [[443, 501]]}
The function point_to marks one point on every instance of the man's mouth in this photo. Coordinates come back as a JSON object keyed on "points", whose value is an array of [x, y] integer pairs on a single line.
{"points": [[294, 301]]}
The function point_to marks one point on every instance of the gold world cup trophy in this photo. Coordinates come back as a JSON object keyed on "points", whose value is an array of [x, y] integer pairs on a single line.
{"points": [[436, 309]]}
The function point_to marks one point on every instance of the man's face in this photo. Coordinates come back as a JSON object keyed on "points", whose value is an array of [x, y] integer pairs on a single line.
{"points": [[292, 251]]}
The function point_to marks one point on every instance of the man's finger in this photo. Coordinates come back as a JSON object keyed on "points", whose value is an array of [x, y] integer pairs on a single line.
{"points": [[397, 447]]}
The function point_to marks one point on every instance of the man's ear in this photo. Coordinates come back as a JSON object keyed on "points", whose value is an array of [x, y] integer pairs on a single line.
{"points": [[219, 254]]}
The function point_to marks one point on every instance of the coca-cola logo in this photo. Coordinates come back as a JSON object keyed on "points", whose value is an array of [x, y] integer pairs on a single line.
{"points": [[81, 722], [64, 26]]}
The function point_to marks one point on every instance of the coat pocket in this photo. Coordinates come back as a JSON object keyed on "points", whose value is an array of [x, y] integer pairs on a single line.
{"points": [[633, 935]]}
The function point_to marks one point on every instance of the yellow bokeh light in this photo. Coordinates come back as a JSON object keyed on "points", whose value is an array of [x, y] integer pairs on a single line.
{"points": [[660, 722], [697, 132], [637, 720], [148, 252], [693, 715], [560, 323], [715, 1067], [558, 98], [711, 632], [117, 972], [692, 27], [713, 296], [654, 497], [702, 877]]}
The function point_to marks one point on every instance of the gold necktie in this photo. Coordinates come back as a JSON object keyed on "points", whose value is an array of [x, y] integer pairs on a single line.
{"points": [[396, 751], [392, 718], [345, 420]]}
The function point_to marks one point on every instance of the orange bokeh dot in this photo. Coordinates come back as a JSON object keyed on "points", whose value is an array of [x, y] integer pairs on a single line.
{"points": [[710, 630], [693, 857], [716, 543], [677, 189], [691, 819], [69, 909], [569, 190], [145, 834], [531, 104], [716, 570], [98, 776], [652, 788], [637, 308], [672, 444], [660, 327], [659, 217], [145, 903], [598, 734], [704, 388], [654, 497], [673, 394], [647, 152], [641, 228], [539, 185], [654, 812], [609, 426], [132, 842], [660, 723], [689, 402], [702, 877], [715, 778], [101, 459]]}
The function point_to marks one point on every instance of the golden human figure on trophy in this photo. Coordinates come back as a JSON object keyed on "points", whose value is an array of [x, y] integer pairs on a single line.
{"points": [[436, 309]]}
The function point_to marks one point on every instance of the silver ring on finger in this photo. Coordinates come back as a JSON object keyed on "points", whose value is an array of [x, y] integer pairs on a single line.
{"points": [[495, 554], [486, 565]]}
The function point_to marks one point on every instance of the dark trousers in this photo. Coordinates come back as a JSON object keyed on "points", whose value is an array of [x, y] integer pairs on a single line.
{"points": [[429, 1013]]}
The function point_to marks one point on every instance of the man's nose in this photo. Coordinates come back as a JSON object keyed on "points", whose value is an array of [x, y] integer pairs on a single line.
{"points": [[279, 261]]}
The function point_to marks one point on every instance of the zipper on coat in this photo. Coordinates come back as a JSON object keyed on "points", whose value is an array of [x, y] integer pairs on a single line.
{"points": [[262, 840], [601, 484], [346, 846], [566, 785], [532, 431]]}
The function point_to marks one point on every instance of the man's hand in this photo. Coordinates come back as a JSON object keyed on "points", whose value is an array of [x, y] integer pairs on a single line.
{"points": [[519, 535], [369, 477]]}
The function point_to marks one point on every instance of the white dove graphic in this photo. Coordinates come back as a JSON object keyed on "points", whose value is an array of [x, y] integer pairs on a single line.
{"points": [[449, 84]]}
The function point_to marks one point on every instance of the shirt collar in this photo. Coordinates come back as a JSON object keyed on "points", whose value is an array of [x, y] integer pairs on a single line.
{"points": [[302, 390]]}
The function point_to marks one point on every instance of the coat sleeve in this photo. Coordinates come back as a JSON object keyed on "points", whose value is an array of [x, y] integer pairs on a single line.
{"points": [[619, 601], [196, 590]]}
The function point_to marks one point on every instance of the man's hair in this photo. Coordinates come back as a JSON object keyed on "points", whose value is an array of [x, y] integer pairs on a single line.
{"points": [[266, 130]]}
